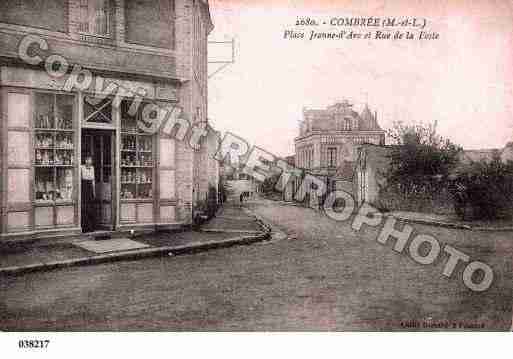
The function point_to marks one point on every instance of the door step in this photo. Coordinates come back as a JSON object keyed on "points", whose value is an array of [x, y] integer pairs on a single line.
{"points": [[100, 235]]}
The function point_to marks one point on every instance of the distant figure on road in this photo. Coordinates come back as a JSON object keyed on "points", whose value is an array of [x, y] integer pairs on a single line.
{"points": [[241, 198]]}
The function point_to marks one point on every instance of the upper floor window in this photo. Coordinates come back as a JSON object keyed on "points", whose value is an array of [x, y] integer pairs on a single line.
{"points": [[347, 124], [332, 157], [150, 23], [48, 14], [96, 17]]}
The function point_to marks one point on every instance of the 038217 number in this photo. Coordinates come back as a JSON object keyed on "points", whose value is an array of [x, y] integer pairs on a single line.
{"points": [[33, 344]]}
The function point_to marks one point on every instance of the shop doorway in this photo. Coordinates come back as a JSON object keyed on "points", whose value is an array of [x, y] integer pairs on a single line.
{"points": [[100, 146]]}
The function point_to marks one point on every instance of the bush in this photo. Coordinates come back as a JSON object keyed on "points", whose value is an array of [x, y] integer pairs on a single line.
{"points": [[486, 190], [426, 194]]}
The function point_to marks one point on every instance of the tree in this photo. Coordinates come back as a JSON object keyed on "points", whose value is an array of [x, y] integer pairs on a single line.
{"points": [[419, 152]]}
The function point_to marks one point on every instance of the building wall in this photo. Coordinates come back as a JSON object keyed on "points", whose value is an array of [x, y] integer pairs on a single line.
{"points": [[111, 54], [315, 146], [371, 163], [184, 153], [205, 173], [206, 168], [29, 12]]}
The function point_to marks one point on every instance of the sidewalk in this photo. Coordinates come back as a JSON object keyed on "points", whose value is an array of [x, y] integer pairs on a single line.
{"points": [[232, 226], [233, 218]]}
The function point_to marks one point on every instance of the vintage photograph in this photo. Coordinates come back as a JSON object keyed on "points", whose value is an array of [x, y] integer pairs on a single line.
{"points": [[255, 166]]}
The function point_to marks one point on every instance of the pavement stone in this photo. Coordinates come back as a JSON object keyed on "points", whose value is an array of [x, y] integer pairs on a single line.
{"points": [[112, 245]]}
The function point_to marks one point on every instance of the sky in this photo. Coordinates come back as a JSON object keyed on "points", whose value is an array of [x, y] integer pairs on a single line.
{"points": [[463, 80]]}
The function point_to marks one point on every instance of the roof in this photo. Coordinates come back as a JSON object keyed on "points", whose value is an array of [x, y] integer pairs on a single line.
{"points": [[330, 117]]}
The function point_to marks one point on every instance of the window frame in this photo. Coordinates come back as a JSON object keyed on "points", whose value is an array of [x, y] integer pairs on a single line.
{"points": [[110, 16], [331, 154]]}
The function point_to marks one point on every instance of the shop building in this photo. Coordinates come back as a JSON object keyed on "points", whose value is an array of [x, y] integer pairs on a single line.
{"points": [[140, 53]]}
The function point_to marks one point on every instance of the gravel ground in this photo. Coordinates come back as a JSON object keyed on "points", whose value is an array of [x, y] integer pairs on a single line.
{"points": [[324, 277]]}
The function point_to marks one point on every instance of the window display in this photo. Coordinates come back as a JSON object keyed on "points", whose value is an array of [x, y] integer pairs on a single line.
{"points": [[136, 158], [54, 147]]}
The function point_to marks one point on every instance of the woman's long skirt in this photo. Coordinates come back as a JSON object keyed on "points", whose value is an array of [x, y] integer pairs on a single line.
{"points": [[88, 207]]}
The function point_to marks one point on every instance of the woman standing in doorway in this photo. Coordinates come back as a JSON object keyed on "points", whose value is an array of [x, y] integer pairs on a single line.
{"points": [[88, 196]]}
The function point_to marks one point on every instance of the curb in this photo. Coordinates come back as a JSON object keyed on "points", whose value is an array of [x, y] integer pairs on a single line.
{"points": [[215, 230], [492, 229], [287, 203], [131, 255], [265, 226], [431, 223], [453, 225], [268, 227], [260, 220]]}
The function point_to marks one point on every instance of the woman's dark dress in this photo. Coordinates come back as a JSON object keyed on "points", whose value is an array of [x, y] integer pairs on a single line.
{"points": [[88, 206]]}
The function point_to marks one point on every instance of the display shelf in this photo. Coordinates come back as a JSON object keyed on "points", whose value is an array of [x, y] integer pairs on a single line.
{"points": [[136, 160], [54, 139], [136, 200], [42, 129], [125, 166]]}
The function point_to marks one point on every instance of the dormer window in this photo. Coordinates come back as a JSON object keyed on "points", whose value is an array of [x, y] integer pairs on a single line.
{"points": [[347, 124], [96, 17]]}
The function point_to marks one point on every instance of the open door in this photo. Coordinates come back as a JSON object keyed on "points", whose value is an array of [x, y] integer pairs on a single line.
{"points": [[99, 144]]}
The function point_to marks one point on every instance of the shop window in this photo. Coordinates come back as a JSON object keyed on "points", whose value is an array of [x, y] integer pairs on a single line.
{"points": [[96, 17], [137, 157], [54, 147]]}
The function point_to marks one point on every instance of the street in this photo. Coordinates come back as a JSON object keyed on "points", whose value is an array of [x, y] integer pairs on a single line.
{"points": [[325, 276]]}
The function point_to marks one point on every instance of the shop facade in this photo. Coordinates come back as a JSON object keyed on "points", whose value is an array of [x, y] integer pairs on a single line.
{"points": [[46, 135], [144, 179]]}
